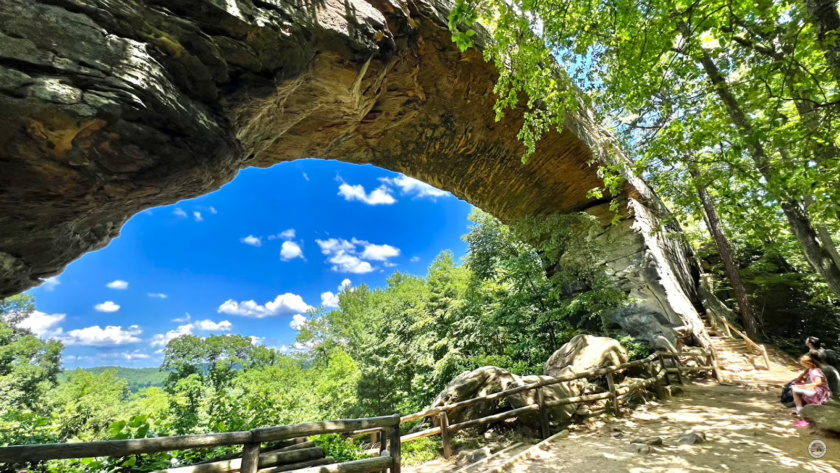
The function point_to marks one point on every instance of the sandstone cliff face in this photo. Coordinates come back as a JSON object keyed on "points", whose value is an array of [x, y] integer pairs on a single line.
{"points": [[114, 106]]}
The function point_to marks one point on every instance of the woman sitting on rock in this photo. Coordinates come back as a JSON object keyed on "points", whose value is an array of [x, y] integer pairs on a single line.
{"points": [[811, 386]]}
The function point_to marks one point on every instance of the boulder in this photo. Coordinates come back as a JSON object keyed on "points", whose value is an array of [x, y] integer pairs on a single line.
{"points": [[584, 352], [648, 440], [826, 417], [692, 438], [490, 379], [476, 383], [549, 393], [639, 448]]}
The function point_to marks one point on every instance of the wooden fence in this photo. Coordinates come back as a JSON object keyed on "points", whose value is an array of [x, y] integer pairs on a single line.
{"points": [[265, 459], [655, 363], [253, 457], [760, 349]]}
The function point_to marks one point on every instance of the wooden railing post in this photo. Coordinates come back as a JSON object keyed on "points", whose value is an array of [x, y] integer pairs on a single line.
{"points": [[766, 358], [664, 367], [383, 440], [544, 427], [394, 448], [657, 384], [444, 435], [715, 369], [250, 458], [615, 403], [678, 366]]}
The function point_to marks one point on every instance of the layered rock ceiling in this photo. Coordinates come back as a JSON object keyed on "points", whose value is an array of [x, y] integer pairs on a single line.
{"points": [[110, 107]]}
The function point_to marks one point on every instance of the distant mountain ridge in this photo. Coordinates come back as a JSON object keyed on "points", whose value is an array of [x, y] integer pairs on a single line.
{"points": [[137, 378]]}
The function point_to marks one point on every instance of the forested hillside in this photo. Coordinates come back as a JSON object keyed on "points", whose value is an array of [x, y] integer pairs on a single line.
{"points": [[136, 378], [384, 350]]}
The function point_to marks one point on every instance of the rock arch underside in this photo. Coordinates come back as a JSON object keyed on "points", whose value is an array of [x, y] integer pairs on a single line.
{"points": [[110, 107]]}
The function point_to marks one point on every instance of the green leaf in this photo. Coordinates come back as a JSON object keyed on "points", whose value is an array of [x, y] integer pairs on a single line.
{"points": [[116, 427]]}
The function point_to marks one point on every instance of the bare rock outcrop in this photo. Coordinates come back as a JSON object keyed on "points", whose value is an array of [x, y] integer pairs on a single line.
{"points": [[584, 352]]}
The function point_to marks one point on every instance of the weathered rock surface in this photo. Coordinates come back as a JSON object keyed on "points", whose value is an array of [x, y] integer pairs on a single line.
{"points": [[583, 352], [490, 379], [111, 107], [826, 417], [692, 438]]}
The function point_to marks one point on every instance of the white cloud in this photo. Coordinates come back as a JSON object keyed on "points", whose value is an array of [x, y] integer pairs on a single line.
{"points": [[298, 322], [345, 259], [107, 306], [328, 299], [135, 355], [213, 210], [418, 189], [122, 285], [388, 264], [43, 325], [179, 213], [290, 250], [284, 349], [347, 263], [380, 196], [210, 326], [49, 284], [334, 245], [198, 217], [158, 295], [378, 252], [110, 336], [284, 304], [252, 240], [256, 341], [161, 340], [181, 320], [287, 234], [414, 259], [305, 176]]}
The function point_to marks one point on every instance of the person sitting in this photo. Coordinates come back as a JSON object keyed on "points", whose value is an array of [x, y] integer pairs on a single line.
{"points": [[832, 376], [828, 356], [811, 387]]}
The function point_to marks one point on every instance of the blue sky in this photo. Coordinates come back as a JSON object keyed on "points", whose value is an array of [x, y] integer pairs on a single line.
{"points": [[246, 259]]}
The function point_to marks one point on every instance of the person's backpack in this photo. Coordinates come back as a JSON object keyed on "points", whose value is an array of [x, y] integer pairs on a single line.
{"points": [[787, 395]]}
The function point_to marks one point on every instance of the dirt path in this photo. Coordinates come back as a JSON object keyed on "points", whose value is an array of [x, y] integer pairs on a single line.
{"points": [[747, 431]]}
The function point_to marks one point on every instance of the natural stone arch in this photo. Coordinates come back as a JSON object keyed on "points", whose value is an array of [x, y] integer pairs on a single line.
{"points": [[115, 106]]}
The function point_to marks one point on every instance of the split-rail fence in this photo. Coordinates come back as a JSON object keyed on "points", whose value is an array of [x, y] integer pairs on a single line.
{"points": [[264, 459]]}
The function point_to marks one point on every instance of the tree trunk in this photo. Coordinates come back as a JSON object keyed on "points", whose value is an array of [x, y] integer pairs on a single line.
{"points": [[828, 243], [817, 256], [724, 249], [824, 234], [826, 21]]}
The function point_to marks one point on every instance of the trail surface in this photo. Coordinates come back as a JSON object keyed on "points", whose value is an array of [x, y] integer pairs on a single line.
{"points": [[747, 431], [746, 427]]}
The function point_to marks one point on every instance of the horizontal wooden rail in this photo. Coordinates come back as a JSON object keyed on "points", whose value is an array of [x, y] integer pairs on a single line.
{"points": [[421, 434], [616, 393], [266, 460], [759, 348], [270, 434], [493, 419], [527, 387], [367, 465], [121, 448]]}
